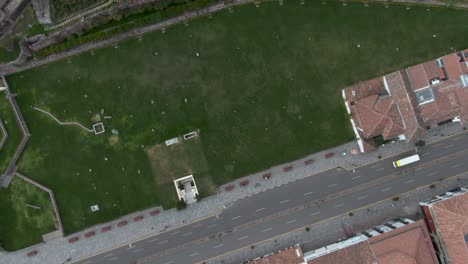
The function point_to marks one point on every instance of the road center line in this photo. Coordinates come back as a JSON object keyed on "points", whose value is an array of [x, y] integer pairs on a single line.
{"points": [[329, 186], [316, 213], [449, 146], [162, 242], [193, 254], [268, 229], [409, 181], [425, 154], [152, 240], [170, 262], [108, 255], [432, 173], [290, 222], [138, 250], [113, 259], [338, 205], [384, 190], [217, 246], [362, 197], [189, 233], [244, 237], [89, 261], [211, 226], [380, 169], [261, 209], [456, 165], [237, 217], [196, 226], [176, 232], [309, 193], [353, 178], [285, 201], [130, 247], [376, 165]]}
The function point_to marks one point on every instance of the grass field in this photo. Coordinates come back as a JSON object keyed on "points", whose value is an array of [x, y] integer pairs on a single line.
{"points": [[263, 90], [13, 129], [20, 225]]}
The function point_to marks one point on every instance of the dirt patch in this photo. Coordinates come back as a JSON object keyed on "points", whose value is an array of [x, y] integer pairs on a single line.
{"points": [[184, 158], [113, 140], [168, 162]]}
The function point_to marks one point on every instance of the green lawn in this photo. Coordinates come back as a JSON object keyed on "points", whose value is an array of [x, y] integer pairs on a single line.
{"points": [[20, 225], [265, 89], [13, 129]]}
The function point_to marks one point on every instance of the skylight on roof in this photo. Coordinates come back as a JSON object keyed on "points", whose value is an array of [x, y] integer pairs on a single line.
{"points": [[464, 79], [425, 96]]}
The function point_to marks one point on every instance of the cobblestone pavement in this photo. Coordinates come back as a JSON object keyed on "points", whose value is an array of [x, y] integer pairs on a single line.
{"points": [[60, 250]]}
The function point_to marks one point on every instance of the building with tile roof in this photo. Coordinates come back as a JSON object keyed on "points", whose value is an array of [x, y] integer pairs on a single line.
{"points": [[402, 244], [291, 255], [404, 104], [447, 218]]}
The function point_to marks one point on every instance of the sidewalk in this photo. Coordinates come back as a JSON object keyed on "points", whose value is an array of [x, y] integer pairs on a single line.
{"points": [[62, 250]]}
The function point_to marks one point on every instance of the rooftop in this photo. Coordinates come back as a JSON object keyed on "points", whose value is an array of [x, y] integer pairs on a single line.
{"points": [[404, 103], [450, 219], [410, 244], [291, 255]]}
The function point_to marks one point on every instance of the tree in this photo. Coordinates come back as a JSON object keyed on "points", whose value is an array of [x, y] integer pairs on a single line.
{"points": [[420, 143], [181, 205]]}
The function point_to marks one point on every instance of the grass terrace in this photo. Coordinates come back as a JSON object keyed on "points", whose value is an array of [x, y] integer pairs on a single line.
{"points": [[261, 85], [26, 214], [7, 116]]}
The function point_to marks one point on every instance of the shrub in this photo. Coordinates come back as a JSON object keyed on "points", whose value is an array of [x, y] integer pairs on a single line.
{"points": [[432, 186], [181, 205], [420, 143], [350, 213], [396, 198], [307, 229]]}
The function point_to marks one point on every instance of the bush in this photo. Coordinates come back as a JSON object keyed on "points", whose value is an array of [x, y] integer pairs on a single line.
{"points": [[396, 198], [420, 143], [252, 246], [350, 213], [379, 156], [432, 186], [307, 229], [181, 205]]}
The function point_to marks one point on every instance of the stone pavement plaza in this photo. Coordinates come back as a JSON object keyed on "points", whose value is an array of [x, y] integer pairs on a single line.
{"points": [[136, 228]]}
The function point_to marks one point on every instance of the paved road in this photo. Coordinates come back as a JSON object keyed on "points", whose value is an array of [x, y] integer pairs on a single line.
{"points": [[294, 206]]}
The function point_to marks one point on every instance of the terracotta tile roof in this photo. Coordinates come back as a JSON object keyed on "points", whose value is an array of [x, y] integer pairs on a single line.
{"points": [[451, 219], [291, 255], [404, 245], [410, 244], [405, 107], [418, 77], [452, 66], [433, 70], [360, 253], [364, 89], [451, 100], [377, 115]]}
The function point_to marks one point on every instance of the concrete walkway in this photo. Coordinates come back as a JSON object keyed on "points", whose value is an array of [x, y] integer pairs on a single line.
{"points": [[145, 223]]}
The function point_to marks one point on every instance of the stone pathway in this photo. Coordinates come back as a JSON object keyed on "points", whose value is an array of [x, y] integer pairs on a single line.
{"points": [[63, 123]]}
